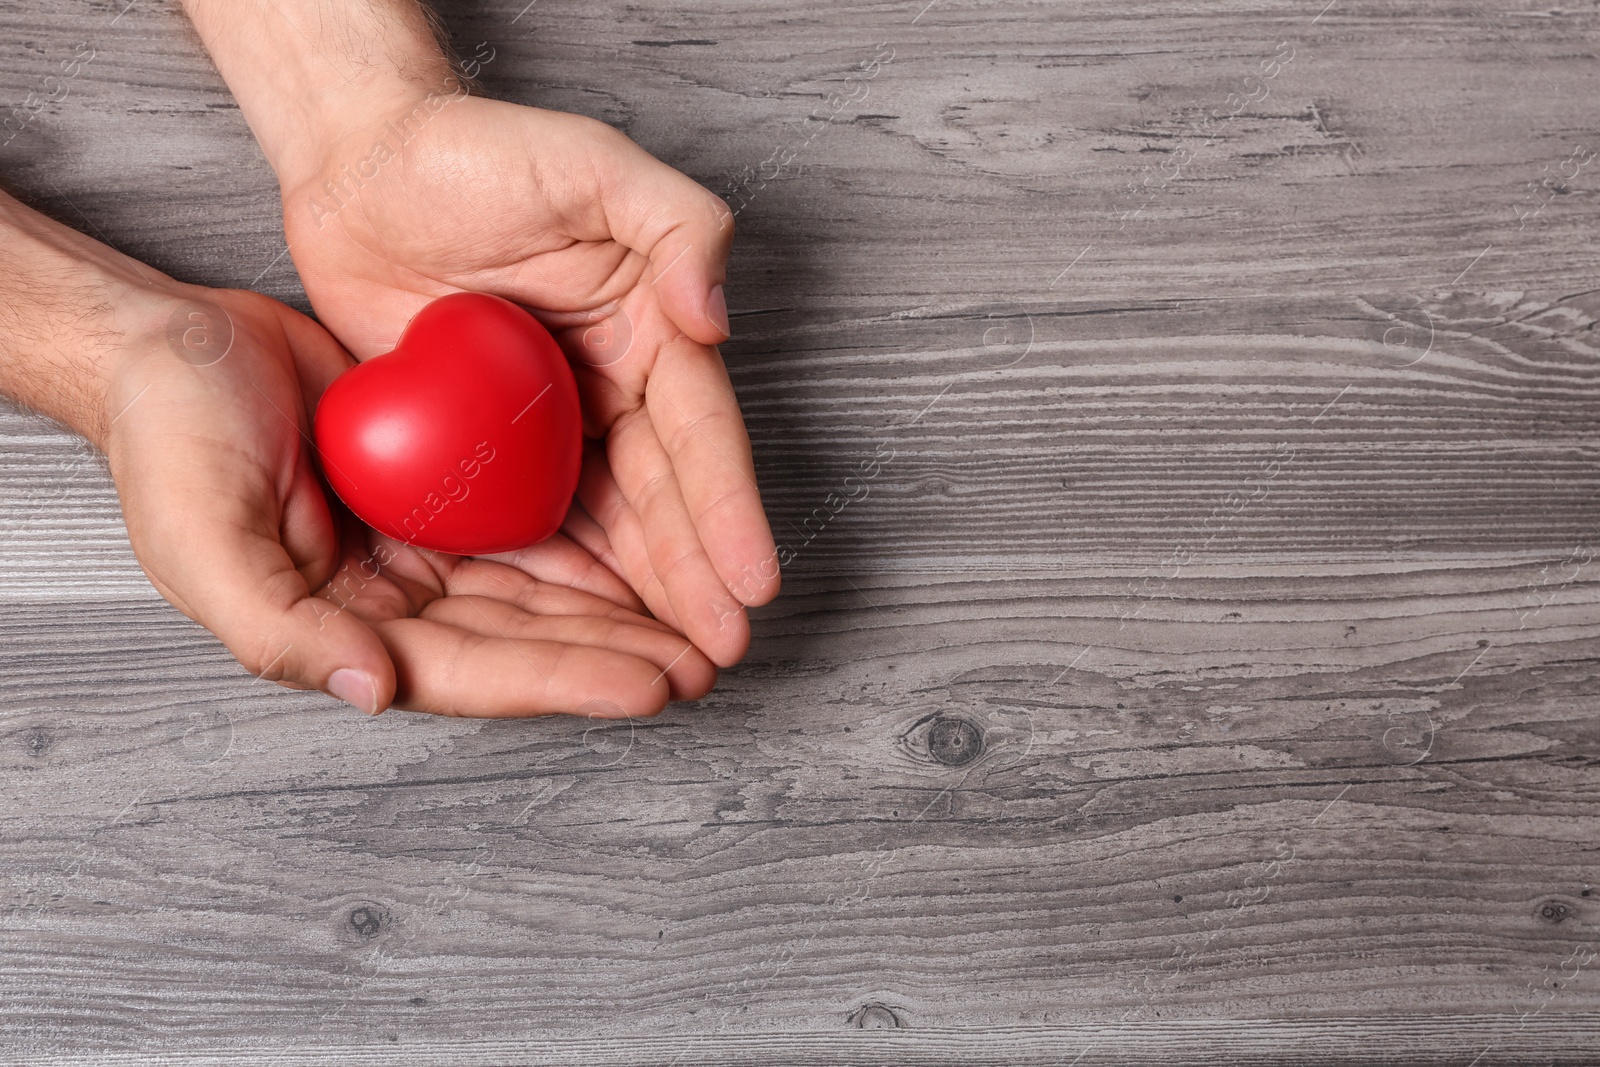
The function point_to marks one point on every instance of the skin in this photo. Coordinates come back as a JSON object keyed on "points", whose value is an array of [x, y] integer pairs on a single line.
{"points": [[205, 430], [623, 257]]}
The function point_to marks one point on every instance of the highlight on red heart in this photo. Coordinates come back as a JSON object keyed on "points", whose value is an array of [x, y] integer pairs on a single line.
{"points": [[466, 438]]}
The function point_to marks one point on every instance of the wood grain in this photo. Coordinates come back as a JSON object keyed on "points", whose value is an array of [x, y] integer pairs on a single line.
{"points": [[1189, 644]]}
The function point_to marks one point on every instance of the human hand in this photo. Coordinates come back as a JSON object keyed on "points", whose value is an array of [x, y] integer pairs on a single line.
{"points": [[209, 406], [623, 258], [399, 188]]}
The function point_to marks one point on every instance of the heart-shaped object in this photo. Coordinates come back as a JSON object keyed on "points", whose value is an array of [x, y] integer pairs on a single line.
{"points": [[467, 438]]}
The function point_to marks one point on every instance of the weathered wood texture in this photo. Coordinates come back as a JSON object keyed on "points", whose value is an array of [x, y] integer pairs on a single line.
{"points": [[1206, 672]]}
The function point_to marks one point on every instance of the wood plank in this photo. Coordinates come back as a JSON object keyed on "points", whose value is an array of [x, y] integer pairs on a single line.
{"points": [[1496, 1040], [1328, 824]]}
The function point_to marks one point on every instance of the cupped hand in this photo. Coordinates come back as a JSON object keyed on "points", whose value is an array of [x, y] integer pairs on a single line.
{"points": [[208, 445], [624, 258]]}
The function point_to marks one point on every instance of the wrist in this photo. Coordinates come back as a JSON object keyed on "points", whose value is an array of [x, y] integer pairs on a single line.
{"points": [[311, 77], [352, 141], [74, 312]]}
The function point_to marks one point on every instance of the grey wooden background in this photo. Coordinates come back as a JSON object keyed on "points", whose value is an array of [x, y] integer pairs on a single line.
{"points": [[1209, 672]]}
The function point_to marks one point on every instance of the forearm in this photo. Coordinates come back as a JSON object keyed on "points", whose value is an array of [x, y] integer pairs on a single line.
{"points": [[309, 73], [68, 308]]}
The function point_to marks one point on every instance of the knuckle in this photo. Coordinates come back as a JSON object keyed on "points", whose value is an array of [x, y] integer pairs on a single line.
{"points": [[601, 132], [532, 597], [677, 561], [687, 431], [724, 501], [654, 490], [268, 659]]}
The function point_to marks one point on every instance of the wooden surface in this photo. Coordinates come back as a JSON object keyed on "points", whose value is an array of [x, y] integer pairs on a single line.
{"points": [[1207, 672]]}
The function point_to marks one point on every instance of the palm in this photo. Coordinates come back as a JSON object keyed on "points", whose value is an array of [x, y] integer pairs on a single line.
{"points": [[616, 253], [452, 215], [227, 516]]}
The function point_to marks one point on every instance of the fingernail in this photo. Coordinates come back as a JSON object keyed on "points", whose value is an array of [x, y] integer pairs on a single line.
{"points": [[717, 310], [354, 688]]}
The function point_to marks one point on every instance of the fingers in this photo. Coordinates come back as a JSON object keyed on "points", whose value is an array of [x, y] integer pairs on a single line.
{"points": [[650, 527], [306, 525], [688, 673], [684, 229], [487, 578], [616, 535], [581, 528], [696, 415], [698, 596], [447, 670], [560, 561]]}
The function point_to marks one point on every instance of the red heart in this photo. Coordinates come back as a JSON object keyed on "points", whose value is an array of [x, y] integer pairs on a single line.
{"points": [[467, 438]]}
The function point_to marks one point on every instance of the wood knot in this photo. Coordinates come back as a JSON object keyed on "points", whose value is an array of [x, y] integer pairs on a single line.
{"points": [[366, 921], [954, 742], [36, 740], [1555, 911], [876, 1017]]}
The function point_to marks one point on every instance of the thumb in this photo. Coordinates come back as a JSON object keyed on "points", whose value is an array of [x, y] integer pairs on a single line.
{"points": [[232, 574], [684, 229], [258, 604]]}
